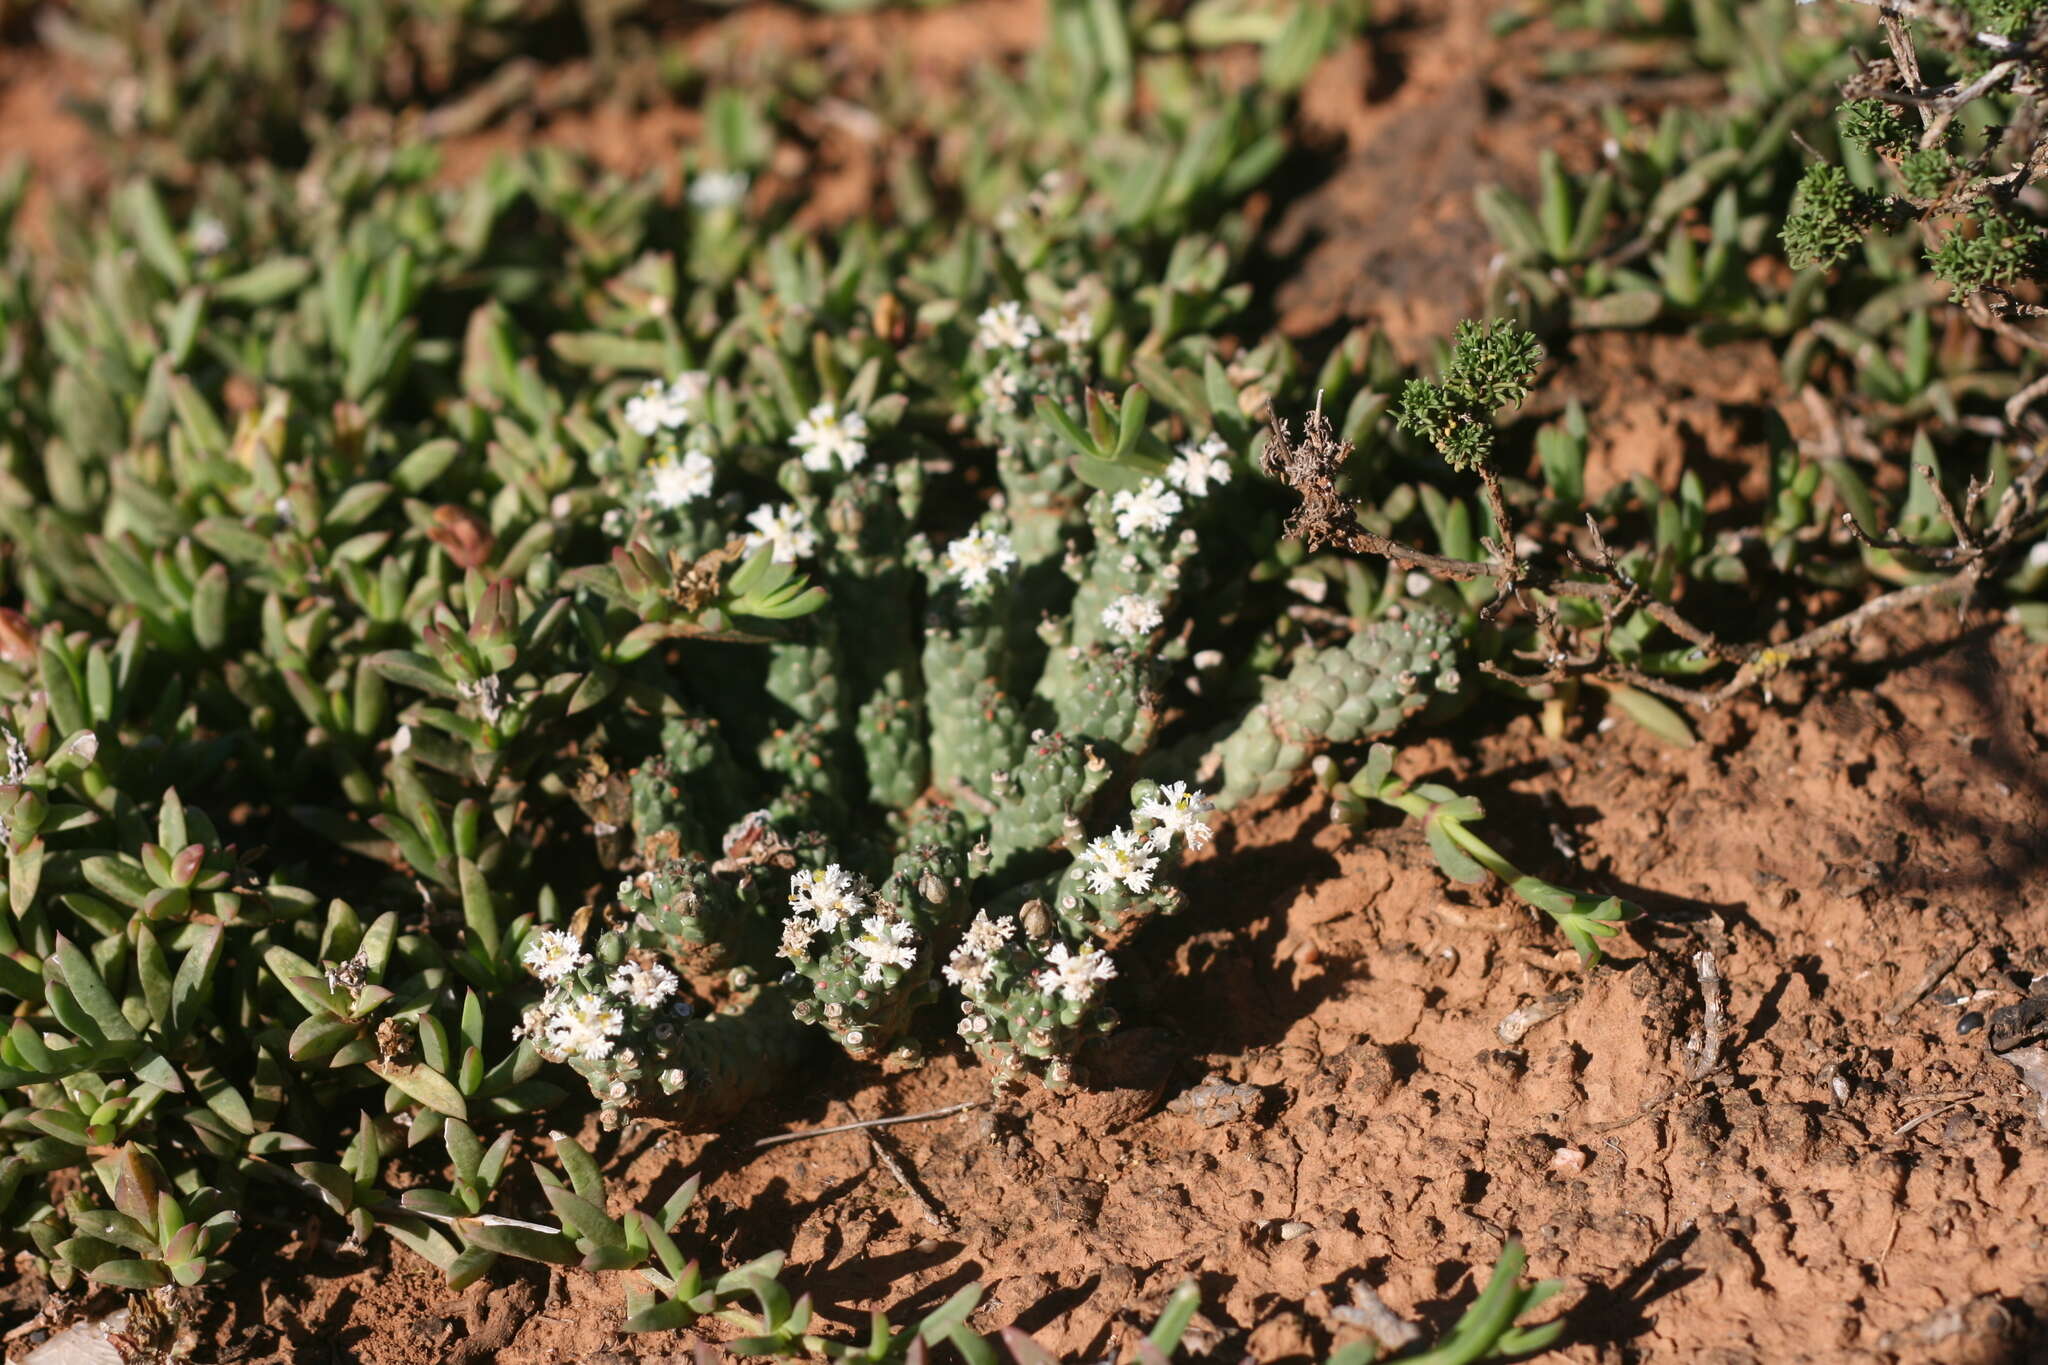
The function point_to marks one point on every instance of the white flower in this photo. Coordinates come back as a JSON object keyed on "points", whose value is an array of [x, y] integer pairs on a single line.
{"points": [[1006, 327], [1075, 975], [1200, 466], [1132, 617], [1120, 858], [717, 189], [584, 1026], [1001, 386], [885, 942], [613, 522], [783, 530], [552, 954], [1152, 508], [1178, 811], [968, 971], [402, 741], [829, 898], [644, 986], [826, 435], [979, 556], [655, 408], [986, 935], [797, 931], [1076, 329], [673, 482], [209, 235], [2037, 554]]}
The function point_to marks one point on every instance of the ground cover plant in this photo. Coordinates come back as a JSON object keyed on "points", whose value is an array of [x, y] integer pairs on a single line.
{"points": [[497, 666]]}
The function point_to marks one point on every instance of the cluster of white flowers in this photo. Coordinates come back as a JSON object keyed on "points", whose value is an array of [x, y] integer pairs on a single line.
{"points": [[830, 898], [1200, 467], [1178, 811], [1152, 507], [572, 1021], [820, 901], [1120, 858], [1125, 858], [659, 407], [784, 530], [1076, 329], [885, 941], [980, 556], [968, 967], [672, 482], [645, 986], [827, 436], [1132, 617], [717, 189], [552, 954], [1075, 975], [1006, 327], [580, 1024]]}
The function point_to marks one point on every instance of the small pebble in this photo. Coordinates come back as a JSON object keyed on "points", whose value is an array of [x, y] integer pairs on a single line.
{"points": [[1970, 1022], [1568, 1159], [1290, 1231]]}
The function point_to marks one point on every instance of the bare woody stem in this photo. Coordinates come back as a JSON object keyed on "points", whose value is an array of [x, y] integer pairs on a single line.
{"points": [[1326, 517]]}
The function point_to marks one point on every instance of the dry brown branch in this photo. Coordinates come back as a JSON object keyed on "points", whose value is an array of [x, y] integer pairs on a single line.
{"points": [[1325, 517]]}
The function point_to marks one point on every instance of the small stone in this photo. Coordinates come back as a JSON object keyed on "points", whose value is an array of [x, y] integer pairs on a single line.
{"points": [[1568, 1160], [1290, 1231], [1970, 1022]]}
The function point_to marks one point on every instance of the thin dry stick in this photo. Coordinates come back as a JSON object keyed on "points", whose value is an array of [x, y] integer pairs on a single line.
{"points": [[1683, 1087], [950, 1109], [1910, 1124], [927, 1207], [1943, 964]]}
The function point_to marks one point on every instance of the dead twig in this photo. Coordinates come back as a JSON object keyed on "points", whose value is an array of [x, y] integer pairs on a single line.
{"points": [[1910, 1124], [927, 1207], [946, 1112], [1326, 517], [1683, 1087], [1943, 964]]}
